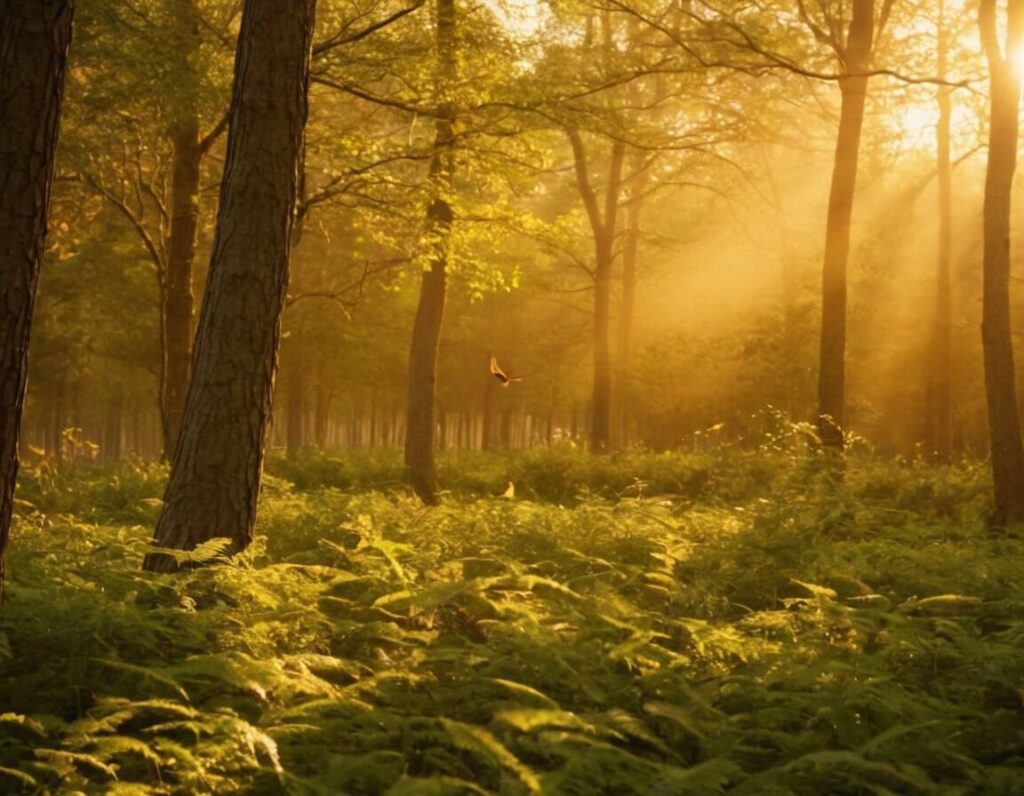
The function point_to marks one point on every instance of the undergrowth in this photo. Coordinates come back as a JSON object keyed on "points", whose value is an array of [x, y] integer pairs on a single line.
{"points": [[646, 624]]}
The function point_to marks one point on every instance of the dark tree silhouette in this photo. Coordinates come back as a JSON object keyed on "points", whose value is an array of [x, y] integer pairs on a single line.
{"points": [[34, 39], [997, 342]]}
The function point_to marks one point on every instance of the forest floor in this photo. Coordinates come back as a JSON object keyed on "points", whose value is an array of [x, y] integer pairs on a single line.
{"points": [[637, 624]]}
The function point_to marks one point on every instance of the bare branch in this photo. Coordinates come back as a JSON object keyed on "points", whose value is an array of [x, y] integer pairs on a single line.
{"points": [[340, 39], [208, 140], [583, 184], [365, 95], [133, 218]]}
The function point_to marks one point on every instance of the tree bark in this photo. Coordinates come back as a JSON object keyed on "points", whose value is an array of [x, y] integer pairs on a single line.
{"points": [[34, 40], [426, 332], [181, 249], [1007, 449], [218, 461], [940, 388], [832, 370]]}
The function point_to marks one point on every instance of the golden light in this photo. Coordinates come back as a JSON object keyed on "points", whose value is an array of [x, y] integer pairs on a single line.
{"points": [[915, 124], [912, 123], [1017, 60]]}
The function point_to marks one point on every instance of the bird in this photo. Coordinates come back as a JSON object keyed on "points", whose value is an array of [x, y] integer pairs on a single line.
{"points": [[500, 375]]}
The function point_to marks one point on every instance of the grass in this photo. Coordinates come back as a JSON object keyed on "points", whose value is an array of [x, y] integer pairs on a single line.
{"points": [[641, 624]]}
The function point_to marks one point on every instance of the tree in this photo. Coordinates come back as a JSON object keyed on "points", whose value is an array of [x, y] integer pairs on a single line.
{"points": [[426, 332], [34, 40], [217, 465], [189, 150], [940, 388], [627, 301], [603, 226], [1007, 448], [854, 54], [151, 176]]}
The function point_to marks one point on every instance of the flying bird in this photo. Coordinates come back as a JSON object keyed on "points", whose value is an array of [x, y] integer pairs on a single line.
{"points": [[500, 375]]}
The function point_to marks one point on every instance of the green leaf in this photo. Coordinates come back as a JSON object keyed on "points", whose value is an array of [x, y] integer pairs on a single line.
{"points": [[473, 737], [20, 777], [145, 673]]}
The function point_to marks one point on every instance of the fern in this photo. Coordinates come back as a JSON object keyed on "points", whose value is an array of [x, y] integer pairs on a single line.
{"points": [[741, 641]]}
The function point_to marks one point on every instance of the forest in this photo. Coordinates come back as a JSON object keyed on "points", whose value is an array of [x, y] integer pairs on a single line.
{"points": [[511, 397]]}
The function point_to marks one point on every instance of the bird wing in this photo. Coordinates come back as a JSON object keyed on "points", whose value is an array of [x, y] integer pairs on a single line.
{"points": [[501, 375]]}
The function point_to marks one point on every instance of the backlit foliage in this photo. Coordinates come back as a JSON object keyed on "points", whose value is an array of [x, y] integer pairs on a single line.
{"points": [[683, 623]]}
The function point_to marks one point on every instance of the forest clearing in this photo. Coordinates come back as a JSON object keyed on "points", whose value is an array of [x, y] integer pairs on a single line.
{"points": [[511, 397]]}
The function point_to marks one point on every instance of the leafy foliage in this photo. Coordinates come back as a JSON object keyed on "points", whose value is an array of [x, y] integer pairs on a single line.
{"points": [[769, 632]]}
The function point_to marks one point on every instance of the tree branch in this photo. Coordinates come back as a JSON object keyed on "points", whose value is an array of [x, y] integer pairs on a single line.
{"points": [[339, 39]]}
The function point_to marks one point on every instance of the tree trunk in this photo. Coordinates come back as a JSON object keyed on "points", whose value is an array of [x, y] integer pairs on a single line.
{"points": [[58, 420], [940, 388], [505, 429], [322, 408], [218, 461], [487, 430], [832, 371], [179, 302], [442, 429], [294, 438], [602, 226], [188, 155], [34, 39], [627, 306], [1007, 450], [426, 332], [113, 426], [601, 402]]}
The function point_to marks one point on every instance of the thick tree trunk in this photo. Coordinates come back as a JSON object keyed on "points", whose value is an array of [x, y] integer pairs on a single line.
{"points": [[218, 461], [1007, 450], [34, 39], [940, 389], [832, 369], [426, 332]]}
